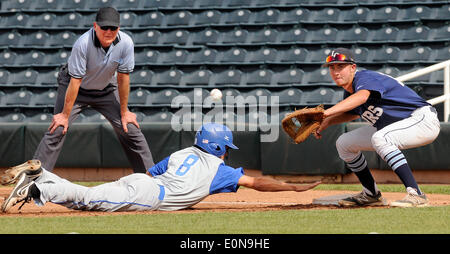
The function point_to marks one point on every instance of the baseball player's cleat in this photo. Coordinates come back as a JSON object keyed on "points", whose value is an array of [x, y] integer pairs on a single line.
{"points": [[31, 168], [21, 192], [412, 199], [363, 199]]}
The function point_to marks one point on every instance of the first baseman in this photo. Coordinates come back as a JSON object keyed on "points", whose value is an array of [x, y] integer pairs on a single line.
{"points": [[97, 76], [179, 181], [399, 119]]}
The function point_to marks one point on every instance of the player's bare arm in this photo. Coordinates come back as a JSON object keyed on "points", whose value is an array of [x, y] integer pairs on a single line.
{"points": [[272, 185], [332, 120], [62, 119], [123, 80], [349, 103]]}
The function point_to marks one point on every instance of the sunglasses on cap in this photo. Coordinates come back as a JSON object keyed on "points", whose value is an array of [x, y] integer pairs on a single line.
{"points": [[338, 57], [112, 28]]}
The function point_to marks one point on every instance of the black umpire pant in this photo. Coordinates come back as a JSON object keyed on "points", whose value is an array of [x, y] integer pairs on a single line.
{"points": [[105, 102]]}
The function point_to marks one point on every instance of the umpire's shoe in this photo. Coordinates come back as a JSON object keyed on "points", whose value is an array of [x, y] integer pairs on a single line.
{"points": [[363, 199], [31, 168], [23, 191]]}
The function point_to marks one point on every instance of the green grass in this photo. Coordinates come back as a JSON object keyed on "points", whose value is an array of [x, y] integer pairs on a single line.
{"points": [[428, 220]]}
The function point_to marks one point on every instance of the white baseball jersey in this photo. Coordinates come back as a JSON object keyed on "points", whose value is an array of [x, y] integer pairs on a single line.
{"points": [[190, 175]]}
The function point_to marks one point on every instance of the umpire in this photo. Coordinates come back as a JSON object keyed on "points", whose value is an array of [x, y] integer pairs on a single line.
{"points": [[97, 76]]}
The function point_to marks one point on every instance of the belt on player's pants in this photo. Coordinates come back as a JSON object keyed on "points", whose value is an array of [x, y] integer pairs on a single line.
{"points": [[162, 192]]}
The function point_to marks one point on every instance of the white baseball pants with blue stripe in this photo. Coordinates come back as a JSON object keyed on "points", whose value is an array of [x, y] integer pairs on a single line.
{"points": [[135, 192], [420, 129]]}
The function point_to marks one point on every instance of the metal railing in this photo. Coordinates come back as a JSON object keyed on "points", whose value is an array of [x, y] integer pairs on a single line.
{"points": [[445, 98]]}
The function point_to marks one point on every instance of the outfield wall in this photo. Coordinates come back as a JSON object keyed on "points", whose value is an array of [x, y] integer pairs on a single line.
{"points": [[95, 146]]}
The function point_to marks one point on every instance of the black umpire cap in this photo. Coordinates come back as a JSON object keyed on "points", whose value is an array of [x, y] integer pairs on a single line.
{"points": [[339, 55], [108, 16]]}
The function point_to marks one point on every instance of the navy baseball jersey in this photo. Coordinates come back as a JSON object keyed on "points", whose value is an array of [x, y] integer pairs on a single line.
{"points": [[190, 175], [390, 100]]}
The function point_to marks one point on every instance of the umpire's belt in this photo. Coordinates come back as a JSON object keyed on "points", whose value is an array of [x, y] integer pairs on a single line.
{"points": [[162, 192]]}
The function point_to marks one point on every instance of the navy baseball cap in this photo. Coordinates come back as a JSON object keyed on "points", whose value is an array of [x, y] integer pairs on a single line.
{"points": [[108, 16], [339, 55]]}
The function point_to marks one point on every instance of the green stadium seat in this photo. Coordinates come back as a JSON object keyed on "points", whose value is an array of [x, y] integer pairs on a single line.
{"points": [[208, 17], [180, 18], [290, 96], [152, 19], [237, 35], [169, 77], [261, 77], [47, 98], [141, 77], [164, 97], [295, 15], [18, 98], [262, 55], [200, 77], [13, 118], [238, 16], [264, 36], [230, 77], [266, 16], [290, 77], [145, 37], [203, 56], [203, 37], [138, 97]]}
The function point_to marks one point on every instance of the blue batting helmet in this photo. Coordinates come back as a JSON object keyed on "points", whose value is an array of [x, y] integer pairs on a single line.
{"points": [[214, 138]]}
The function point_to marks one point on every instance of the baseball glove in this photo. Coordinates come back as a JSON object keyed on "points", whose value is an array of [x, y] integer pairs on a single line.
{"points": [[308, 120]]}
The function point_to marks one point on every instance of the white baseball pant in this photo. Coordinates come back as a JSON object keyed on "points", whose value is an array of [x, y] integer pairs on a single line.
{"points": [[420, 129]]}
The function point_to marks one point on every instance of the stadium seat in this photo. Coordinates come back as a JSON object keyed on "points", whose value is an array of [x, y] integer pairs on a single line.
{"points": [[318, 55], [415, 34], [262, 95], [179, 36], [293, 54], [152, 19], [239, 3], [356, 14], [18, 98], [318, 77], [47, 98], [39, 118], [238, 16], [42, 20], [266, 16], [138, 97], [233, 55], [290, 96], [69, 20], [196, 78], [182, 4], [71, 5], [208, 17], [176, 56], [441, 33], [295, 34], [141, 77], [353, 35], [295, 15], [13, 118], [416, 54], [326, 15], [179, 18], [384, 34], [203, 56], [230, 77], [160, 117], [8, 38], [441, 12], [441, 54], [24, 77], [208, 4], [196, 96], [262, 55], [155, 4], [38, 38], [325, 34], [47, 77], [163, 97], [233, 92], [416, 13], [204, 37], [150, 36], [4, 77], [126, 5], [289, 77], [63, 39], [56, 58], [33, 57], [170, 77], [385, 54], [260, 77], [322, 95], [266, 35], [237, 35], [389, 70], [8, 57], [146, 56], [361, 54], [9, 5], [14, 20], [384, 14], [128, 20]]}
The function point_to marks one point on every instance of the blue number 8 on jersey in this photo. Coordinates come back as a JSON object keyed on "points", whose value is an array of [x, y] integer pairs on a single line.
{"points": [[190, 160]]}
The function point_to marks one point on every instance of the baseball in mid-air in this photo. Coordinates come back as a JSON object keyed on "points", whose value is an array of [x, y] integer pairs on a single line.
{"points": [[216, 94]]}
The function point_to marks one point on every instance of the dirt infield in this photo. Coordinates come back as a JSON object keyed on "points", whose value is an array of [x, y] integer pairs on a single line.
{"points": [[244, 200]]}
